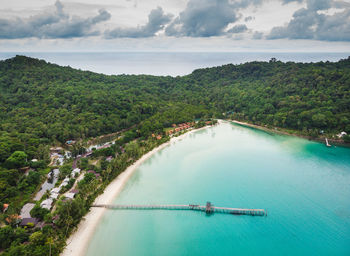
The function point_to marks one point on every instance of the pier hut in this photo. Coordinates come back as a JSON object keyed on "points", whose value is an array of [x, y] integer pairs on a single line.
{"points": [[208, 208]]}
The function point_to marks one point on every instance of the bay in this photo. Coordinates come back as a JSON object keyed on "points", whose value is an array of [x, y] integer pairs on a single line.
{"points": [[303, 185]]}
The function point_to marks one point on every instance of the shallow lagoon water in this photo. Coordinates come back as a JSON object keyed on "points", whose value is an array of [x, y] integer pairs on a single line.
{"points": [[303, 185]]}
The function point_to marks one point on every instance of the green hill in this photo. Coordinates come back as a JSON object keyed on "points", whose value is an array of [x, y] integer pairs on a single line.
{"points": [[51, 103]]}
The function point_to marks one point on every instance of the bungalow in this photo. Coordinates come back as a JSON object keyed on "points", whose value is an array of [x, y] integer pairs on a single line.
{"points": [[159, 137], [25, 211], [342, 134], [13, 219], [71, 194], [64, 183], [56, 190], [70, 142], [47, 204], [54, 172], [5, 207], [54, 195], [75, 171], [68, 154], [26, 221], [56, 150]]}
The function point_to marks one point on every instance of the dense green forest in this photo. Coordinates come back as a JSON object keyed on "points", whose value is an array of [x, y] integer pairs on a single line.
{"points": [[43, 104]]}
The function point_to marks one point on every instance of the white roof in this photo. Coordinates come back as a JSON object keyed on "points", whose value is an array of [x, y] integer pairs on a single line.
{"points": [[66, 179], [55, 190], [76, 170], [25, 211], [54, 196], [47, 203], [340, 135], [46, 206], [70, 195], [63, 184]]}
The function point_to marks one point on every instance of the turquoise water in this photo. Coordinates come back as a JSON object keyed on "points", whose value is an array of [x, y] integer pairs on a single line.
{"points": [[303, 185]]}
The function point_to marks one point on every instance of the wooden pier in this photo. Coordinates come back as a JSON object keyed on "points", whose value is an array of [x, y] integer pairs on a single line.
{"points": [[208, 208]]}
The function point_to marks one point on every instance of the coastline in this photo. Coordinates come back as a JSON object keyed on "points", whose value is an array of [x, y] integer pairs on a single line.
{"points": [[320, 140], [78, 241]]}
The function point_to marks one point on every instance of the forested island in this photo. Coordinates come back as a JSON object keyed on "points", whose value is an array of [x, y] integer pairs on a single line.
{"points": [[45, 106]]}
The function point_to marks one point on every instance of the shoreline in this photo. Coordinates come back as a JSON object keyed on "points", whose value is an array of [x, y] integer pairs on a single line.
{"points": [[319, 140], [78, 241]]}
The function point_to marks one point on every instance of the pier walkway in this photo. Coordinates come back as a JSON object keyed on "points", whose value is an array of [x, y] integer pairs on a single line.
{"points": [[208, 208]]}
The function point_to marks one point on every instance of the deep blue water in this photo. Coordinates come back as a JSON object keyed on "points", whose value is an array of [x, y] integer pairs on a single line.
{"points": [[165, 63], [303, 185]]}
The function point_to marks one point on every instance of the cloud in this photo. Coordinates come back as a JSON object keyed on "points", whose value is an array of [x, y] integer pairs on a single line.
{"points": [[290, 1], [249, 18], [203, 18], [157, 19], [245, 3], [238, 29], [309, 23], [206, 18], [258, 35], [57, 24], [318, 4]]}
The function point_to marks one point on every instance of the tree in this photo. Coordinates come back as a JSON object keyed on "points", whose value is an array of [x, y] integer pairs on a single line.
{"points": [[38, 212], [6, 237], [33, 178], [37, 238], [319, 120], [346, 138], [18, 159]]}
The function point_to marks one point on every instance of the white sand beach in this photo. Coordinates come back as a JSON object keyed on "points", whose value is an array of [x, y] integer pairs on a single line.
{"points": [[78, 242]]}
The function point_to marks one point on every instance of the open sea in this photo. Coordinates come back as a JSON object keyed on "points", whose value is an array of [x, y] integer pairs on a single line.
{"points": [[303, 185], [165, 63]]}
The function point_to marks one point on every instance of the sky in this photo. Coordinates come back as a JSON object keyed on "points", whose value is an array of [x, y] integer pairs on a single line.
{"points": [[175, 25]]}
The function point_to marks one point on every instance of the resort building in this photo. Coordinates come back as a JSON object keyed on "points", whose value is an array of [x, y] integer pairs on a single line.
{"points": [[29, 221], [47, 204]]}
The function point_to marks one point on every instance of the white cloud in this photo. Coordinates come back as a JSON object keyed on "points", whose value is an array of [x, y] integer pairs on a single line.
{"points": [[126, 16]]}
